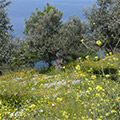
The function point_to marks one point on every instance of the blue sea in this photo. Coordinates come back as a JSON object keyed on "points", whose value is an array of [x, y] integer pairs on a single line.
{"points": [[20, 10]]}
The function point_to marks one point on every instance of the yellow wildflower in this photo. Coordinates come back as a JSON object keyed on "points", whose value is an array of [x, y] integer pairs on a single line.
{"points": [[93, 77], [90, 70], [87, 57], [98, 88], [83, 118], [32, 106], [11, 115], [99, 119], [64, 113], [77, 67], [21, 114], [82, 40], [40, 85], [5, 113], [96, 57], [113, 111], [59, 99], [97, 95], [107, 76], [90, 88], [110, 53], [38, 101], [79, 58], [66, 116], [98, 43], [63, 67], [107, 114]]}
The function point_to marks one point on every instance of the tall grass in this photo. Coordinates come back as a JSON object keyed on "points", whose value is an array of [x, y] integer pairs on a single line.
{"points": [[84, 90]]}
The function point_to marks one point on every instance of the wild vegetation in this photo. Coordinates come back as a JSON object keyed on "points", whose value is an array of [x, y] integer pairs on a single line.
{"points": [[81, 85], [5, 39], [84, 90]]}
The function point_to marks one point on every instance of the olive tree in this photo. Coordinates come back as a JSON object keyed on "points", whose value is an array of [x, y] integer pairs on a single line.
{"points": [[23, 58], [6, 43], [104, 21], [52, 39], [69, 41], [41, 29]]}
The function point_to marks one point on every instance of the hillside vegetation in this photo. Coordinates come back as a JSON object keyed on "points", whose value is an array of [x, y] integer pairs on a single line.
{"points": [[88, 88], [83, 90]]}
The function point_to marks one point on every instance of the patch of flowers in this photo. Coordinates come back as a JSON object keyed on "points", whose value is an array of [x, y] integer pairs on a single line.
{"points": [[70, 95]]}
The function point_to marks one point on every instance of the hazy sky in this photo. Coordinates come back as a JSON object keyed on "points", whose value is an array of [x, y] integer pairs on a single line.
{"points": [[20, 10]]}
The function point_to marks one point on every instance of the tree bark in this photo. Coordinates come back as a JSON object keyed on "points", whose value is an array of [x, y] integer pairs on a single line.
{"points": [[59, 63], [49, 63], [59, 60], [0, 72]]}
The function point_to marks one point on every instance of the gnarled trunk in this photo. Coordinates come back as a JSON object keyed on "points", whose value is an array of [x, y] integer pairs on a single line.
{"points": [[0, 72], [59, 60], [49, 63], [59, 63]]}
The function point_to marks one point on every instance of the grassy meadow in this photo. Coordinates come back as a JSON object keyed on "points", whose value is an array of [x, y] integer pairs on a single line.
{"points": [[83, 90]]}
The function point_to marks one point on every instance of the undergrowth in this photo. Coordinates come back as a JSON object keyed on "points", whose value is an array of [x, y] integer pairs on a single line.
{"points": [[83, 90]]}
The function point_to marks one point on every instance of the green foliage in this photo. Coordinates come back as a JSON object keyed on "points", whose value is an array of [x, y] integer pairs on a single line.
{"points": [[6, 44], [73, 93], [23, 58], [69, 45], [85, 89], [103, 24], [41, 30], [52, 40], [69, 38]]}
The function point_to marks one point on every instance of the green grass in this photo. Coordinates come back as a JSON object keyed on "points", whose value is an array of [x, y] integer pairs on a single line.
{"points": [[89, 93]]}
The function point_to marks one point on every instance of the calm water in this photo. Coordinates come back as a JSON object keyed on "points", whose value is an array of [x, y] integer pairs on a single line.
{"points": [[21, 9]]}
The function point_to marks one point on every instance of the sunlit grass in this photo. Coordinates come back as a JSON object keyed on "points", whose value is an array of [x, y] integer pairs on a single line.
{"points": [[77, 92]]}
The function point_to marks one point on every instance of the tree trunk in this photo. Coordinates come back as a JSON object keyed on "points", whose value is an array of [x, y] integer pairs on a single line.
{"points": [[59, 63], [49, 63], [0, 72]]}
